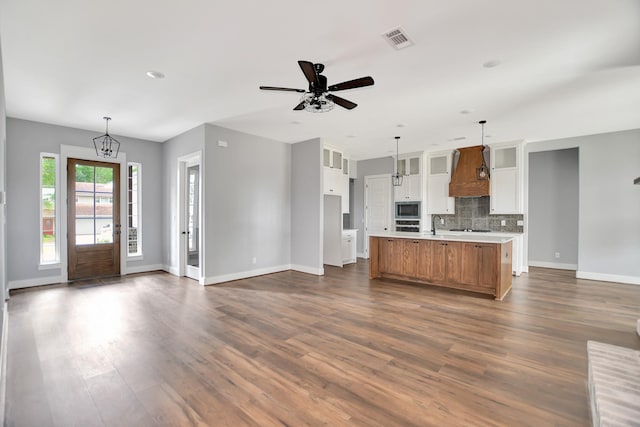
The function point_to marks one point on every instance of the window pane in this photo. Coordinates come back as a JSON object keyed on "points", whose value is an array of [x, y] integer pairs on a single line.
{"points": [[48, 251], [85, 191], [133, 211]]}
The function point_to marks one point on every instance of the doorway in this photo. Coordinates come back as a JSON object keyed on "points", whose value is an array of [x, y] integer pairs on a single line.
{"points": [[190, 214], [93, 219], [377, 206]]}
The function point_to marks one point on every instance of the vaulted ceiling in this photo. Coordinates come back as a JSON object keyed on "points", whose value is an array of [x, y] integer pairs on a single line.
{"points": [[534, 70]]}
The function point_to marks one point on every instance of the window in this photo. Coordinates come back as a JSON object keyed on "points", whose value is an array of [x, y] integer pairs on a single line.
{"points": [[49, 227], [134, 218]]}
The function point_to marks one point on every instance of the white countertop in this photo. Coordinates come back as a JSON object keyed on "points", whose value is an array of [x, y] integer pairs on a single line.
{"points": [[460, 236]]}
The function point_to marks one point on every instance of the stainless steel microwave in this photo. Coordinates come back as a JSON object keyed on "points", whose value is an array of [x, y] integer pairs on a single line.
{"points": [[407, 210]]}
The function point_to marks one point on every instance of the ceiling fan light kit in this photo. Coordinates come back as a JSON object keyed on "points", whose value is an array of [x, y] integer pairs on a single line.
{"points": [[318, 99]]}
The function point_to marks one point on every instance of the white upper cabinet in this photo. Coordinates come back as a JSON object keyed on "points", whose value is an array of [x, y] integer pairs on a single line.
{"points": [[410, 167], [336, 175], [506, 179], [438, 178]]}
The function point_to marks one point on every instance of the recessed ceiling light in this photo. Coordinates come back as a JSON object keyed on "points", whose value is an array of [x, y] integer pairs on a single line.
{"points": [[488, 136], [457, 138], [402, 125], [491, 64], [466, 111], [351, 136], [155, 74], [296, 122]]}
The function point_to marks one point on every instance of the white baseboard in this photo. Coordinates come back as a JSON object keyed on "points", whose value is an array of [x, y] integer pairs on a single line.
{"points": [[3, 361], [308, 270], [40, 281], [144, 268], [631, 280], [245, 274], [360, 254], [171, 270], [556, 265]]}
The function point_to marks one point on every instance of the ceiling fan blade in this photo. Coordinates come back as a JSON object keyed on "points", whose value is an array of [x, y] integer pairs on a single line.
{"points": [[309, 72], [352, 84], [286, 89], [345, 103], [299, 106]]}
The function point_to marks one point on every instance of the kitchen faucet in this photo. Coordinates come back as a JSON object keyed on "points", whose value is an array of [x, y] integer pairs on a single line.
{"points": [[433, 223]]}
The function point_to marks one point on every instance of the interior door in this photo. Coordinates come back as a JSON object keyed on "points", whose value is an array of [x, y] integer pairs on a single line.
{"points": [[93, 220], [377, 200], [193, 221]]}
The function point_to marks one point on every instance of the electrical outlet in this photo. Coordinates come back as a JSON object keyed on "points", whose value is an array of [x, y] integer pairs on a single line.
{"points": [[520, 223], [557, 254], [441, 221], [253, 260], [503, 222]]}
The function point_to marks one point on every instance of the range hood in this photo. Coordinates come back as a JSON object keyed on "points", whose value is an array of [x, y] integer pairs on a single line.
{"points": [[465, 181]]}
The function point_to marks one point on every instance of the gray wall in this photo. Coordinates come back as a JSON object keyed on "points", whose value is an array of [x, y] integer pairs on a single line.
{"points": [[247, 202], [377, 166], [609, 203], [307, 206], [553, 207], [178, 146], [25, 141]]}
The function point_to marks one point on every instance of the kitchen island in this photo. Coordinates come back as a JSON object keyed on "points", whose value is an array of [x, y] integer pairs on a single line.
{"points": [[468, 262]]}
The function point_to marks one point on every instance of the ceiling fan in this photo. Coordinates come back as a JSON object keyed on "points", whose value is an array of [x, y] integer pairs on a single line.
{"points": [[317, 98]]}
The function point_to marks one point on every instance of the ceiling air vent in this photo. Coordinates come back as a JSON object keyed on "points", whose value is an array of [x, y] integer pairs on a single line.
{"points": [[397, 38]]}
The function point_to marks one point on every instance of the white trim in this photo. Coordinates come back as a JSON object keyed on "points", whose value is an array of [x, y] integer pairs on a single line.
{"points": [[145, 268], [40, 281], [171, 270], [556, 265], [82, 153], [51, 266], [360, 255], [631, 280], [245, 274], [308, 270], [3, 361]]}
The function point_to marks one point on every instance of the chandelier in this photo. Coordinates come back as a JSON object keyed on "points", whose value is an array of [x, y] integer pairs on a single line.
{"points": [[316, 103], [396, 178], [482, 173], [106, 145]]}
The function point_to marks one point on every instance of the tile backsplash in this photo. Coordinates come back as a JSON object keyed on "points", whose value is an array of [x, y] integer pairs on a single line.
{"points": [[473, 212]]}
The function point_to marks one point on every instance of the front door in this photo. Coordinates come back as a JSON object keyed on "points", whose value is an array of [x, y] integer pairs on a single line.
{"points": [[93, 224], [377, 199]]}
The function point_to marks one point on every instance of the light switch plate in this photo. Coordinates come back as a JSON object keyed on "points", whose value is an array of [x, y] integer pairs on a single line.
{"points": [[224, 144], [520, 223]]}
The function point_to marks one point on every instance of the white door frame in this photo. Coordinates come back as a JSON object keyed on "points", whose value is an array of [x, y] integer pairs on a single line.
{"points": [[184, 270], [366, 210]]}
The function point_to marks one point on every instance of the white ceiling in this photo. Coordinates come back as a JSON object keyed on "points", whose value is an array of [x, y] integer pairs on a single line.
{"points": [[568, 67]]}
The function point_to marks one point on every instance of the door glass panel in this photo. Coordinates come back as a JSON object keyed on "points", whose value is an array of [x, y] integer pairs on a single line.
{"points": [[402, 166], [94, 205], [326, 158], [505, 158], [438, 165], [337, 159], [193, 196], [414, 166]]}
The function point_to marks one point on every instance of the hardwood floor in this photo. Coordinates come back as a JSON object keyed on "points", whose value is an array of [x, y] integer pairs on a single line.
{"points": [[294, 349]]}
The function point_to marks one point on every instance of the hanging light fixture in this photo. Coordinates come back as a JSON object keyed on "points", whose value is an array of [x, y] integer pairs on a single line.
{"points": [[106, 145], [482, 172], [396, 178]]}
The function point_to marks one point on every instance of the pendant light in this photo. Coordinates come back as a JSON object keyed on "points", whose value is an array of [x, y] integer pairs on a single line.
{"points": [[396, 178], [482, 173], [106, 146]]}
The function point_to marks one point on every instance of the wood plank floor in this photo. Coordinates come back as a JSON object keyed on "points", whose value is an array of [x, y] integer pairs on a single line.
{"points": [[291, 349]]}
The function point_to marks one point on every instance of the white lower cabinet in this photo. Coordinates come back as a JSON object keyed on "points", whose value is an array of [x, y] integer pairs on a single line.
{"points": [[349, 246]]}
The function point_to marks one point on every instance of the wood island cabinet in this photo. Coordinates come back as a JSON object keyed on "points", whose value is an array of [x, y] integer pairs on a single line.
{"points": [[477, 267]]}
